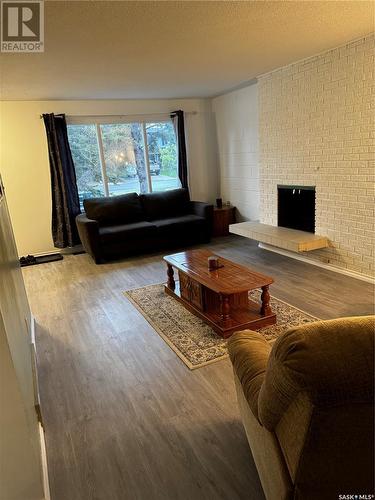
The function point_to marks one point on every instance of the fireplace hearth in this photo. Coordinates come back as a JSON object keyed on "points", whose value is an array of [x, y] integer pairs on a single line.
{"points": [[296, 207]]}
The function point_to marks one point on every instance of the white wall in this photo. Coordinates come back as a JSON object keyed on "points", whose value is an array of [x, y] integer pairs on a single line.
{"points": [[21, 475], [317, 128], [236, 116], [24, 157]]}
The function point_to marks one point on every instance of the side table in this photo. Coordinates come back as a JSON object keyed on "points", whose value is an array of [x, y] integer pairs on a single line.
{"points": [[222, 218]]}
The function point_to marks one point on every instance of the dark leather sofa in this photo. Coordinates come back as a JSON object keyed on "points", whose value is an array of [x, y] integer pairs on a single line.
{"points": [[131, 223]]}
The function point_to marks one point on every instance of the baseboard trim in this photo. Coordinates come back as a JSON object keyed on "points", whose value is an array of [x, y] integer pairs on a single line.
{"points": [[34, 365], [62, 251], [329, 267], [32, 328], [42, 254], [43, 451], [47, 494]]}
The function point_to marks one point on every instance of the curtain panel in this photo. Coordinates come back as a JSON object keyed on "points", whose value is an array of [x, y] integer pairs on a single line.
{"points": [[177, 118], [65, 199]]}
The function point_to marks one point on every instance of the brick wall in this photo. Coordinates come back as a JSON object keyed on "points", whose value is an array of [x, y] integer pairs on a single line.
{"points": [[316, 127]]}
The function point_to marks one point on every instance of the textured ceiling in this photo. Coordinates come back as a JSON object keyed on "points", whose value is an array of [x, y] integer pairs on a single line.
{"points": [[168, 49]]}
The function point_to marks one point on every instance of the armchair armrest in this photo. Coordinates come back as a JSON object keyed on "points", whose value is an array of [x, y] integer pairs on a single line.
{"points": [[249, 352], [88, 230], [202, 209]]}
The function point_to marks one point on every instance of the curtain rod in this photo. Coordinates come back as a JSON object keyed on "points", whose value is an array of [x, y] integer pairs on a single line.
{"points": [[135, 114]]}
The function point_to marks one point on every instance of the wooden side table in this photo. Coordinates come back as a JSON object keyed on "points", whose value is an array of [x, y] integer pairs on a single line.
{"points": [[222, 218]]}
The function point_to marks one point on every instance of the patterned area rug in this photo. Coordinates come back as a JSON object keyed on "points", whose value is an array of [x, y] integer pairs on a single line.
{"points": [[190, 338]]}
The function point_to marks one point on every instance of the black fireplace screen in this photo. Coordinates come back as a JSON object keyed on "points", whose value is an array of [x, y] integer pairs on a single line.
{"points": [[296, 207]]}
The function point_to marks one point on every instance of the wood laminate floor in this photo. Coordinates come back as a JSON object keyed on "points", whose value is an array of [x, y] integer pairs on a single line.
{"points": [[124, 417]]}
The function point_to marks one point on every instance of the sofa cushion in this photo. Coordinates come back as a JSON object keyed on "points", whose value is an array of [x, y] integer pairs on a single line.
{"points": [[165, 204], [184, 224], [122, 209], [135, 231]]}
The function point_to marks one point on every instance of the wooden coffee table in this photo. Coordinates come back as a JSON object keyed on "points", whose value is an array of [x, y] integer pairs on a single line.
{"points": [[219, 297]]}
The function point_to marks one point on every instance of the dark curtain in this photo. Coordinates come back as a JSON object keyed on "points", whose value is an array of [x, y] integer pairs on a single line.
{"points": [[65, 200], [177, 118]]}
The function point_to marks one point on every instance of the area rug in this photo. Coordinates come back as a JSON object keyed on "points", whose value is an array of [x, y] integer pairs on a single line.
{"points": [[190, 338]]}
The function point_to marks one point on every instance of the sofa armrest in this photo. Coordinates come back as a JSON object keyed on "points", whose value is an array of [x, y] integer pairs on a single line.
{"points": [[331, 361], [88, 230], [249, 352], [202, 210]]}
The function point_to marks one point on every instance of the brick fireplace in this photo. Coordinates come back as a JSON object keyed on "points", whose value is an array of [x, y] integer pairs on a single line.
{"points": [[316, 129]]}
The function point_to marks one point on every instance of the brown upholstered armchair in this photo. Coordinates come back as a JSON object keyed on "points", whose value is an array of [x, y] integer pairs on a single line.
{"points": [[307, 407]]}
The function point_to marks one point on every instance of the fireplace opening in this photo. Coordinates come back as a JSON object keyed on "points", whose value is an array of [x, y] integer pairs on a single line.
{"points": [[296, 207]]}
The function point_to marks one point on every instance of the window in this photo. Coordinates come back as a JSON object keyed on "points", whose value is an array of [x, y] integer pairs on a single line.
{"points": [[124, 157], [84, 145], [117, 158], [162, 155]]}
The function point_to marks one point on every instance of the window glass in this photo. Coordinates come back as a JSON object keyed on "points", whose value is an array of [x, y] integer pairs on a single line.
{"points": [[124, 158], [85, 153], [162, 155]]}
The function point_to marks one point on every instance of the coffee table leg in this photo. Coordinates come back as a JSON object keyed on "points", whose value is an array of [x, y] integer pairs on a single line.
{"points": [[225, 307], [171, 282], [265, 310]]}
